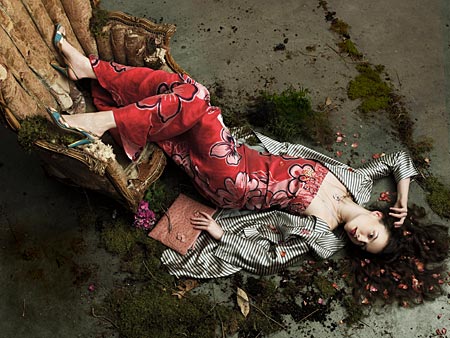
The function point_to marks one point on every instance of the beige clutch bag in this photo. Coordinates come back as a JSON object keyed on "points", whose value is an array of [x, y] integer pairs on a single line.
{"points": [[174, 229]]}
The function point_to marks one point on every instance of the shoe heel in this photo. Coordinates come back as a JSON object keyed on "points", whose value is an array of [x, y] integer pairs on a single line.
{"points": [[61, 70]]}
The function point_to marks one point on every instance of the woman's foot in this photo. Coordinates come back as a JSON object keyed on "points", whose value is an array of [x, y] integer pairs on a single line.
{"points": [[78, 65], [94, 123]]}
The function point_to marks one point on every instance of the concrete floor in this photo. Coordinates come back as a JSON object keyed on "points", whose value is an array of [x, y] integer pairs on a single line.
{"points": [[43, 249]]}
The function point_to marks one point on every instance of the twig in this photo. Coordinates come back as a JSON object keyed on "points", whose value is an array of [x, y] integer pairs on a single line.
{"points": [[23, 308], [309, 315], [339, 54], [103, 318], [152, 275]]}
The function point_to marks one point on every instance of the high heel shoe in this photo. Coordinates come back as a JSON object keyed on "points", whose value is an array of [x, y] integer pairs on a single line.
{"points": [[57, 38], [60, 123]]}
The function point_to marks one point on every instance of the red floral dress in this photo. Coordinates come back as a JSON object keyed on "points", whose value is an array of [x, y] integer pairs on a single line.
{"points": [[173, 110]]}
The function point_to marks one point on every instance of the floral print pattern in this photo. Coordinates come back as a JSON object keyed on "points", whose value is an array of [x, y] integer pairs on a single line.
{"points": [[226, 149], [174, 111]]}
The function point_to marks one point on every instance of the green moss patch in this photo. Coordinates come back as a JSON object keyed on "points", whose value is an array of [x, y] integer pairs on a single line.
{"points": [[347, 46], [375, 94], [37, 128], [438, 197], [151, 311], [288, 115]]}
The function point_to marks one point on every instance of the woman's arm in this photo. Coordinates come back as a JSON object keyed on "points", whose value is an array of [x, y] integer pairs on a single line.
{"points": [[208, 224], [400, 208], [259, 255]]}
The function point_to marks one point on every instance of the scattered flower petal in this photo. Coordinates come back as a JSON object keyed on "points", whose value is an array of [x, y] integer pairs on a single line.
{"points": [[338, 153], [355, 145], [91, 287], [385, 196]]}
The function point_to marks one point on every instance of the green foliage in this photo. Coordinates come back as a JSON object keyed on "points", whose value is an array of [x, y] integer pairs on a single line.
{"points": [[438, 197], [347, 46], [375, 94], [288, 115], [152, 311], [98, 21], [37, 128], [159, 196]]}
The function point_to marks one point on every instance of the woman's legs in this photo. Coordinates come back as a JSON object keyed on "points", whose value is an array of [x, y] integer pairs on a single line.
{"points": [[143, 104]]}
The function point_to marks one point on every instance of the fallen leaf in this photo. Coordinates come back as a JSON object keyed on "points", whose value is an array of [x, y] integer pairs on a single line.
{"points": [[242, 301], [328, 101], [179, 294], [190, 284], [185, 287]]}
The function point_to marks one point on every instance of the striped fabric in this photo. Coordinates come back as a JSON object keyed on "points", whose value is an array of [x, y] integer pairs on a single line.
{"points": [[266, 242]]}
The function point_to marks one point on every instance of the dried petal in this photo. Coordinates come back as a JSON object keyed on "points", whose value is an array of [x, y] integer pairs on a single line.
{"points": [[373, 289], [339, 139], [365, 301], [339, 153], [403, 286], [419, 265], [283, 253], [355, 145]]}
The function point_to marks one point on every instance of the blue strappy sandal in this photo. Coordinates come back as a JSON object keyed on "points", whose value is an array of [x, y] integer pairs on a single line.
{"points": [[57, 44], [60, 123]]}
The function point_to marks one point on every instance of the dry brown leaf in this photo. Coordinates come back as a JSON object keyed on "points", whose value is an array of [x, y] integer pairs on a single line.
{"points": [[185, 287], [328, 101], [179, 294], [190, 284], [243, 303]]}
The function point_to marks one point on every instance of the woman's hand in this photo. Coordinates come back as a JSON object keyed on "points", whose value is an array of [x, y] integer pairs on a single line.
{"points": [[400, 208], [207, 223], [400, 212]]}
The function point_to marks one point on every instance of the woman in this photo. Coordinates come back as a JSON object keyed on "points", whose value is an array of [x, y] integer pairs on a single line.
{"points": [[321, 195]]}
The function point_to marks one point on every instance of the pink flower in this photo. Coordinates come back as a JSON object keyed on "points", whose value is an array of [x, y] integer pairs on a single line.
{"points": [[91, 287], [144, 218], [226, 149]]}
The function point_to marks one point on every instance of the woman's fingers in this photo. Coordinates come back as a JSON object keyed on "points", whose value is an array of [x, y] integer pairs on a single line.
{"points": [[399, 213]]}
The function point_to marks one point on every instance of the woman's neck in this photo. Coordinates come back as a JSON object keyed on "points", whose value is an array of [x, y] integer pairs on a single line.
{"points": [[348, 210]]}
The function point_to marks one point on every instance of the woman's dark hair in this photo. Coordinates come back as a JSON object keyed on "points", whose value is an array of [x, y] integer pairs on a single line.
{"points": [[409, 269]]}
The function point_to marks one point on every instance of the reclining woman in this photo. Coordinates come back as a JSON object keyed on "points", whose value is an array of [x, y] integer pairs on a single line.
{"points": [[298, 200]]}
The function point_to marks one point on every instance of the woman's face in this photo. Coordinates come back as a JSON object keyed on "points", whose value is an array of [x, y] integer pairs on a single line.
{"points": [[368, 232]]}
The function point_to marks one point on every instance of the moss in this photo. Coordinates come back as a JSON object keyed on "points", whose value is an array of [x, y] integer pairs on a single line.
{"points": [[289, 114], [347, 46], [153, 312], [340, 27], [325, 286], [375, 94], [98, 20], [159, 196], [355, 312], [37, 128], [438, 197]]}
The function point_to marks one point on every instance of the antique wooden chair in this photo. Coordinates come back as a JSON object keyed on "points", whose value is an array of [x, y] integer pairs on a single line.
{"points": [[28, 84]]}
